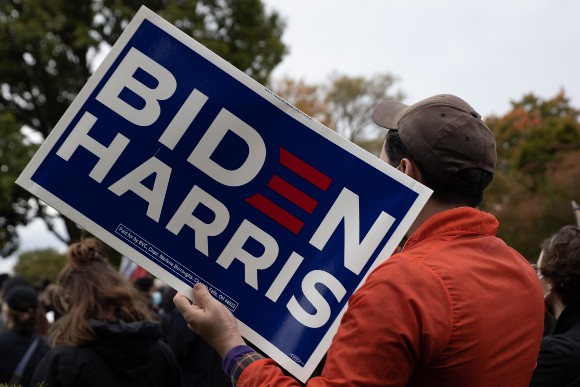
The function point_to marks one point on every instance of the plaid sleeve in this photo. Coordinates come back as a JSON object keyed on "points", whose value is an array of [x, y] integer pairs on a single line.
{"points": [[241, 363]]}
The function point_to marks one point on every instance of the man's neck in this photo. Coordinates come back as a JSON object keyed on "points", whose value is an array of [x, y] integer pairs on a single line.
{"points": [[431, 208]]}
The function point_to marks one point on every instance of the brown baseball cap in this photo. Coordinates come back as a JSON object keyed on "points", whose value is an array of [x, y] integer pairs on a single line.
{"points": [[445, 135]]}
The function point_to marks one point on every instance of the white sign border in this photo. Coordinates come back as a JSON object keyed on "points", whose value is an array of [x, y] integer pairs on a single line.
{"points": [[24, 180]]}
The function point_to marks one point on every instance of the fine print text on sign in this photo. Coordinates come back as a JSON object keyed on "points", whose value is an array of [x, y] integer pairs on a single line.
{"points": [[199, 174]]}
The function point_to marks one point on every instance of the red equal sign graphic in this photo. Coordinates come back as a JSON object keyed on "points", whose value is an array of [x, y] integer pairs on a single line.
{"points": [[290, 192]]}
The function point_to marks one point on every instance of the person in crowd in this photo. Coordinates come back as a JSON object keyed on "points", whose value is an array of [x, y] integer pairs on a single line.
{"points": [[145, 286], [3, 278], [46, 298], [576, 211], [41, 323], [157, 294], [199, 363], [437, 313], [8, 283], [21, 348], [106, 335], [549, 319], [559, 273], [166, 307]]}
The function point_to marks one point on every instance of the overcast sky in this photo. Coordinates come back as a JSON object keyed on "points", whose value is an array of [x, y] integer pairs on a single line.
{"points": [[487, 52]]}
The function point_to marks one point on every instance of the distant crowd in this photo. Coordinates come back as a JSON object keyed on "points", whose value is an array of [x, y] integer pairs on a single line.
{"points": [[98, 326], [102, 327], [454, 306]]}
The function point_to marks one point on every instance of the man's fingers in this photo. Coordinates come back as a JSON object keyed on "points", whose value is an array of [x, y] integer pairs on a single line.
{"points": [[181, 303], [201, 295], [209, 319], [201, 298]]}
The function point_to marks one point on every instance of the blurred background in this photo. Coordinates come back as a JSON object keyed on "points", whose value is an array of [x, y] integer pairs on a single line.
{"points": [[515, 62]]}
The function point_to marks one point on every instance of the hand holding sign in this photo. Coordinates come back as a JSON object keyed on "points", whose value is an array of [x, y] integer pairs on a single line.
{"points": [[210, 319]]}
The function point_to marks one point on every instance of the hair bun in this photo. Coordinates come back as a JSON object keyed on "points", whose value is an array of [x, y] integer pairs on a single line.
{"points": [[84, 252]]}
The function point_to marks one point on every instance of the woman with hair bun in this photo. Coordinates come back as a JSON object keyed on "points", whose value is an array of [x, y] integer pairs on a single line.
{"points": [[106, 335], [559, 271]]}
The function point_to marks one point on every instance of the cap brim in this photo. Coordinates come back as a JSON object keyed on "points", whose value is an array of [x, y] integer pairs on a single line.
{"points": [[388, 113]]}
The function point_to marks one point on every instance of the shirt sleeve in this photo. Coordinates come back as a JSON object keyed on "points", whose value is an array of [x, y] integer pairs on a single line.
{"points": [[237, 360], [399, 319]]}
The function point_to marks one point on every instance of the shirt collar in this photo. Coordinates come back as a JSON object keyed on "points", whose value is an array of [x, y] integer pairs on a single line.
{"points": [[462, 219]]}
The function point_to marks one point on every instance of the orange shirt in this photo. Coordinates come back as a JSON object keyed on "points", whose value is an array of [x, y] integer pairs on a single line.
{"points": [[457, 307]]}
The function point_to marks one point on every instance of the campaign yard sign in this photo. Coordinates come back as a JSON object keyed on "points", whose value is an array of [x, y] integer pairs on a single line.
{"points": [[198, 173]]}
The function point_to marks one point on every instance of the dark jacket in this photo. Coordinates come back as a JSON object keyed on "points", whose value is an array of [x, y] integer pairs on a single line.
{"points": [[13, 346], [200, 364], [124, 354], [559, 358]]}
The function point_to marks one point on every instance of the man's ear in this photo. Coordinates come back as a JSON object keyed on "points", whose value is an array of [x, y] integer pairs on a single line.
{"points": [[410, 169]]}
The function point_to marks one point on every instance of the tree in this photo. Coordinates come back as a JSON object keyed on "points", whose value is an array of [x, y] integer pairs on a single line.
{"points": [[307, 98], [15, 151], [351, 101], [343, 104], [48, 49], [538, 144], [40, 265]]}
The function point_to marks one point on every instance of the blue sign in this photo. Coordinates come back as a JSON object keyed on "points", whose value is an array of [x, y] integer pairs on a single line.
{"points": [[199, 174]]}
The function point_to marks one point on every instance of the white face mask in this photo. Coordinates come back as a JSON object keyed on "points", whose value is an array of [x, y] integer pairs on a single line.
{"points": [[156, 298]]}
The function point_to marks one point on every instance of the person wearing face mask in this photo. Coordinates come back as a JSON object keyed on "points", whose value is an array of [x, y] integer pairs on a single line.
{"points": [[559, 274]]}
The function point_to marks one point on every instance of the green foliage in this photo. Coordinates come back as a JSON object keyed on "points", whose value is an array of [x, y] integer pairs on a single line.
{"points": [[47, 50], [39, 265], [538, 169], [14, 154], [351, 101], [47, 47]]}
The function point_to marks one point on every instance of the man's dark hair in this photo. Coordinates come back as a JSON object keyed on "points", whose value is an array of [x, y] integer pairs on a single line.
{"points": [[396, 151]]}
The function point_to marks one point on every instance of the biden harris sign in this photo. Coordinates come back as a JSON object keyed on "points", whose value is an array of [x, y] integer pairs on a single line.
{"points": [[198, 173]]}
